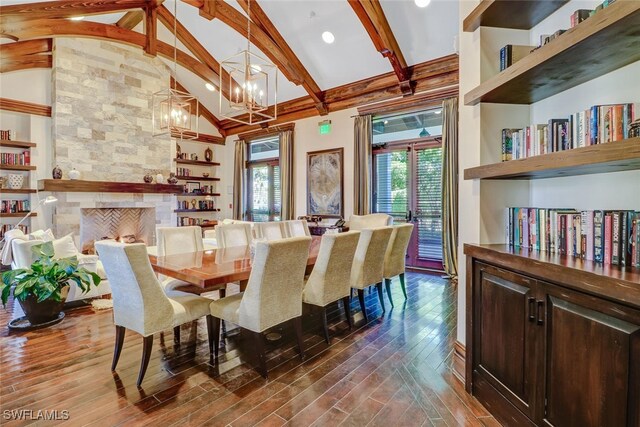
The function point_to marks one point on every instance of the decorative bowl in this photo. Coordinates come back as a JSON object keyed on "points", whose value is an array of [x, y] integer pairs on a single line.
{"points": [[206, 175]]}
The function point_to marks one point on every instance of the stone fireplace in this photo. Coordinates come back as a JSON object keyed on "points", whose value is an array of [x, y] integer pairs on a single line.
{"points": [[129, 225]]}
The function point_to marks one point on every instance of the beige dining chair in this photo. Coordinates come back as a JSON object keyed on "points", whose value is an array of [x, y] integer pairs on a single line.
{"points": [[273, 230], [362, 222], [395, 257], [330, 279], [368, 263], [273, 294], [296, 228], [228, 235], [139, 300]]}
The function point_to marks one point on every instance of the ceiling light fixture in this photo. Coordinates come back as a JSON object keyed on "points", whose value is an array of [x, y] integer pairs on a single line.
{"points": [[328, 37], [422, 3], [439, 112], [210, 87], [424, 133], [77, 18], [173, 108], [249, 89]]}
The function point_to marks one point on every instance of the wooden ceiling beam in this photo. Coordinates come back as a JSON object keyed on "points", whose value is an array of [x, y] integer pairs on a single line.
{"points": [[69, 8], [30, 47], [151, 30], [25, 63], [375, 23], [130, 19]]}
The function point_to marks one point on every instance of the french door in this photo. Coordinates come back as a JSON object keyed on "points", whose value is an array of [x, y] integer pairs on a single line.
{"points": [[407, 184], [263, 188]]}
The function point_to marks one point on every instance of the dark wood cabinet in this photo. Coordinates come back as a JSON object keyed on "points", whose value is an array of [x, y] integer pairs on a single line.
{"points": [[545, 353]]}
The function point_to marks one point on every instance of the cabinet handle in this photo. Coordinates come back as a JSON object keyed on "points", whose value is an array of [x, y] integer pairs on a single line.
{"points": [[540, 312], [532, 316]]}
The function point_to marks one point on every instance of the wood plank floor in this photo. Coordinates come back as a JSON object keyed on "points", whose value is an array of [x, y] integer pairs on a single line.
{"points": [[393, 371]]}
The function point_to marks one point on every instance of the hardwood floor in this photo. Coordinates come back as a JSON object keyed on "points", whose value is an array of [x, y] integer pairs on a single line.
{"points": [[393, 371]]}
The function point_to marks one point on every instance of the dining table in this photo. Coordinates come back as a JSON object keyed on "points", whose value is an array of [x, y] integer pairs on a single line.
{"points": [[212, 269]]}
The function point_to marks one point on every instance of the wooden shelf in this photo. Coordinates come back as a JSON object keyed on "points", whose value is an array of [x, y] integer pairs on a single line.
{"points": [[519, 15], [202, 137], [17, 215], [210, 224], [81, 186], [17, 167], [601, 158], [603, 43], [200, 194], [17, 191], [197, 178], [196, 210], [16, 144], [613, 282], [196, 162]]}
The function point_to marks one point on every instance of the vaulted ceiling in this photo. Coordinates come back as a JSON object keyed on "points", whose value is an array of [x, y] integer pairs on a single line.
{"points": [[382, 48]]}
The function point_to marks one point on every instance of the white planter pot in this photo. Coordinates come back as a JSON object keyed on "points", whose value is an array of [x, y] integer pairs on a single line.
{"points": [[15, 181]]}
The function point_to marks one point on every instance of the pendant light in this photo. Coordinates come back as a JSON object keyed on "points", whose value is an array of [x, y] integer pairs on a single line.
{"points": [[250, 85], [172, 108]]}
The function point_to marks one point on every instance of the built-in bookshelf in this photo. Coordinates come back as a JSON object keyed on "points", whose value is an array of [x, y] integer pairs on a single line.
{"points": [[15, 152], [518, 15]]}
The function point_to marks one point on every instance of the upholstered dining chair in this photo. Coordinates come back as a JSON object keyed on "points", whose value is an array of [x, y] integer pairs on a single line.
{"points": [[139, 301], [296, 228], [273, 294], [368, 263], [272, 230], [330, 279], [395, 257], [228, 235], [361, 222]]}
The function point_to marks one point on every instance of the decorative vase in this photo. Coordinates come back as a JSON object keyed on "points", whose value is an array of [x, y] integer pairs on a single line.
{"points": [[148, 178], [74, 174], [178, 151], [56, 173], [208, 154], [193, 203], [44, 311], [15, 181], [159, 179], [172, 178]]}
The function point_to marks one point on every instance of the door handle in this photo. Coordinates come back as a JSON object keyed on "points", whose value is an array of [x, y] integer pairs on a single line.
{"points": [[410, 217], [532, 303], [540, 313]]}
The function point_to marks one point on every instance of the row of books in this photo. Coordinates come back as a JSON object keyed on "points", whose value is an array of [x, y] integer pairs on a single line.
{"points": [[183, 171], [185, 220], [6, 227], [14, 206], [201, 204], [599, 124], [609, 237], [23, 158], [204, 189], [7, 135]]}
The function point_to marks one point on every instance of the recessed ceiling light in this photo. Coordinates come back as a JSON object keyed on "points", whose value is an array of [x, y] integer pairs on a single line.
{"points": [[77, 18], [210, 87], [328, 37], [439, 112], [422, 3]]}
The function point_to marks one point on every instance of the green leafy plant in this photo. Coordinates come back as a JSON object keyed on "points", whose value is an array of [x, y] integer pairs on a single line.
{"points": [[46, 277]]}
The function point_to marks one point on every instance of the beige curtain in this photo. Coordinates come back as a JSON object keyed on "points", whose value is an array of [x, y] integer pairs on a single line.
{"points": [[238, 180], [450, 186], [287, 189], [362, 165]]}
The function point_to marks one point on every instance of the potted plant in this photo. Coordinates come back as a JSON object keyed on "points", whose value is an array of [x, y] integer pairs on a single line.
{"points": [[42, 289]]}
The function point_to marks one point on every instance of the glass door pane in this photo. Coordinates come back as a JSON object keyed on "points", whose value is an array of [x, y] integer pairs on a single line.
{"points": [[259, 206], [428, 204], [391, 186], [277, 200]]}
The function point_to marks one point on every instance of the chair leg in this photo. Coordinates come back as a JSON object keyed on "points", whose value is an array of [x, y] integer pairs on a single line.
{"points": [[120, 330], [297, 326], [404, 290], [387, 283], [213, 331], [262, 359], [362, 307], [176, 334], [346, 301], [146, 356], [380, 295], [325, 325]]}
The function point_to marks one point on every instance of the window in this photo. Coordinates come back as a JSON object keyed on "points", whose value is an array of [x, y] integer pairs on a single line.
{"points": [[407, 126], [263, 179]]}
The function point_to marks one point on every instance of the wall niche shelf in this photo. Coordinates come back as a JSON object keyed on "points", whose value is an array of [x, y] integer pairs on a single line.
{"points": [[603, 43], [196, 162], [518, 15], [16, 144], [602, 158], [17, 214], [17, 191], [200, 194], [197, 178], [17, 167], [196, 210]]}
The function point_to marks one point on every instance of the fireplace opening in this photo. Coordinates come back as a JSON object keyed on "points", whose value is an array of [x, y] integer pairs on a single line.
{"points": [[128, 225]]}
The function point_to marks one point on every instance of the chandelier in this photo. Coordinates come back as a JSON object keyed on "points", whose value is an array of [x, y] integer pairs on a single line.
{"points": [[249, 91], [174, 110]]}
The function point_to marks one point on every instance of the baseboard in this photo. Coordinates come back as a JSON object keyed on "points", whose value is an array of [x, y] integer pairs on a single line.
{"points": [[459, 352]]}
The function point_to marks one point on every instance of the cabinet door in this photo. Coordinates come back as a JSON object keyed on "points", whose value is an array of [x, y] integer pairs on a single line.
{"points": [[506, 343], [592, 361]]}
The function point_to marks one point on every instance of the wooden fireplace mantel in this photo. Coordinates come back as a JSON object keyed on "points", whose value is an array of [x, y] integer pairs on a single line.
{"points": [[82, 186]]}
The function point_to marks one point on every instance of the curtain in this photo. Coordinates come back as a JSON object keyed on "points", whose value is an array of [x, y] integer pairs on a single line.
{"points": [[450, 186], [238, 180], [362, 139], [287, 189]]}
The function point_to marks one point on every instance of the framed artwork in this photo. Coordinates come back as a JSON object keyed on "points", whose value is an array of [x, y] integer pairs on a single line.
{"points": [[325, 183], [192, 186]]}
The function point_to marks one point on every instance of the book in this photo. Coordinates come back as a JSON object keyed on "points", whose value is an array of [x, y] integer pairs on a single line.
{"points": [[512, 53], [607, 238], [579, 15]]}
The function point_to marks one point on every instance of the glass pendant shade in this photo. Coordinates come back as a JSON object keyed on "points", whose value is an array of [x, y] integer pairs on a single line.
{"points": [[250, 89], [172, 114]]}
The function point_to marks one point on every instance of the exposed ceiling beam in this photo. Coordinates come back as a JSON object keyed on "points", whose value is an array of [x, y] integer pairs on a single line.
{"points": [[24, 55], [69, 8], [202, 110], [25, 63], [130, 19], [260, 18], [375, 23], [151, 30]]}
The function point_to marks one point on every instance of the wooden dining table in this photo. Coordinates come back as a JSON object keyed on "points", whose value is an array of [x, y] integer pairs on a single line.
{"points": [[212, 269]]}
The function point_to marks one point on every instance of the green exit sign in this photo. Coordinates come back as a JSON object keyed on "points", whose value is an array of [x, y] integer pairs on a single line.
{"points": [[324, 127]]}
